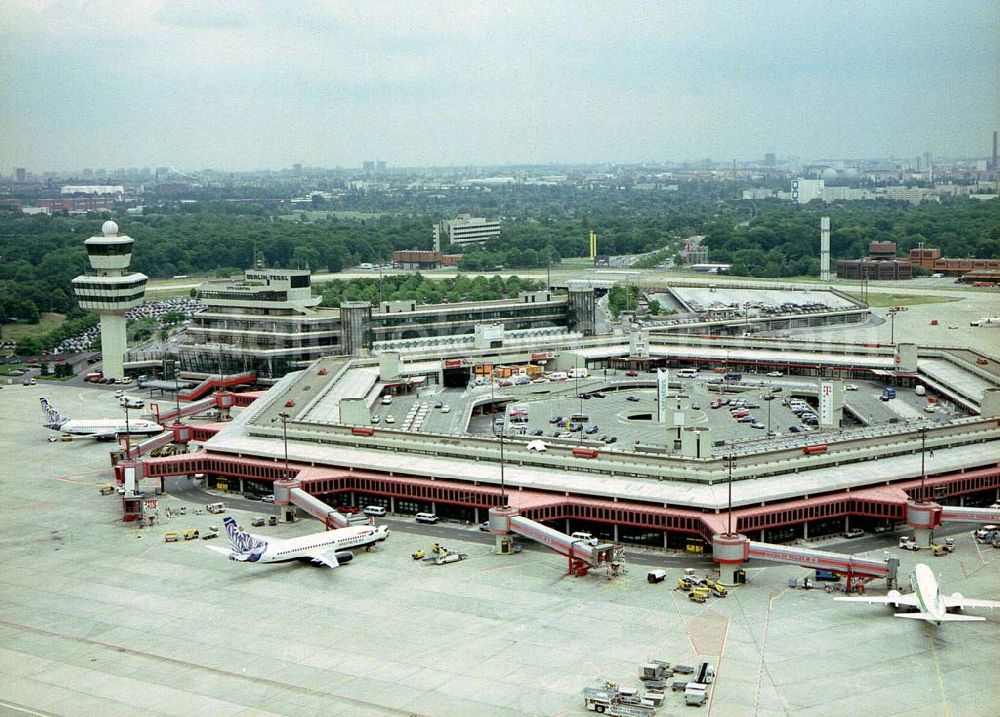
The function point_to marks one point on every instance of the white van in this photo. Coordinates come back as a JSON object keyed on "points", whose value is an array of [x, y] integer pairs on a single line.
{"points": [[558, 376], [375, 511], [688, 373], [426, 518], [131, 402], [216, 507], [577, 373], [585, 537]]}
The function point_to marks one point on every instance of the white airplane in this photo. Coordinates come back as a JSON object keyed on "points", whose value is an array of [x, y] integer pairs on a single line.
{"points": [[329, 548], [99, 428], [933, 605]]}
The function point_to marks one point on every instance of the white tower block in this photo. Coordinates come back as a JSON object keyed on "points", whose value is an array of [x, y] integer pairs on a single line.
{"points": [[110, 290], [824, 248]]}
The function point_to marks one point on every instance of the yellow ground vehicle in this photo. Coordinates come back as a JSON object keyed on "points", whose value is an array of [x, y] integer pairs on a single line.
{"points": [[697, 597], [191, 534], [170, 537], [718, 589], [702, 591], [106, 489], [419, 555]]}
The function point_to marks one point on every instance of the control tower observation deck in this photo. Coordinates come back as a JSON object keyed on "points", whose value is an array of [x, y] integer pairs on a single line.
{"points": [[110, 290]]}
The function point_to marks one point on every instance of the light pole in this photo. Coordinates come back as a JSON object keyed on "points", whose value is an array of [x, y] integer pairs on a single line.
{"points": [[284, 437], [128, 445], [729, 465], [923, 468], [892, 326], [503, 490]]}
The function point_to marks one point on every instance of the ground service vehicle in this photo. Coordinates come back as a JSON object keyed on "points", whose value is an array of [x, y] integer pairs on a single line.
{"points": [[694, 694], [216, 507], [429, 518], [170, 537], [656, 576], [610, 700], [888, 394], [907, 543], [191, 534]]}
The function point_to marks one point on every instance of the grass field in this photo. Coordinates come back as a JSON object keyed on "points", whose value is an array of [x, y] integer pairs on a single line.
{"points": [[879, 301], [16, 332]]}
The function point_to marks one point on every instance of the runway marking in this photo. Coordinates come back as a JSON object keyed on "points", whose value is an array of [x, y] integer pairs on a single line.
{"points": [[301, 689], [763, 643], [940, 679], [718, 667], [25, 710]]}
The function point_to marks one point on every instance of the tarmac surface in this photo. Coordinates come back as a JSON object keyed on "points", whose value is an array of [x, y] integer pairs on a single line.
{"points": [[100, 618]]}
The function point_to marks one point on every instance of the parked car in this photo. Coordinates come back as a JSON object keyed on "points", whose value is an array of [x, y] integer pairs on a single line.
{"points": [[592, 430], [854, 533], [632, 374], [557, 419], [633, 399], [375, 418], [445, 409], [775, 374], [390, 419]]}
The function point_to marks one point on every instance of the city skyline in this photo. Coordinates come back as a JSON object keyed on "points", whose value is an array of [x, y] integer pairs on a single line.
{"points": [[251, 86]]}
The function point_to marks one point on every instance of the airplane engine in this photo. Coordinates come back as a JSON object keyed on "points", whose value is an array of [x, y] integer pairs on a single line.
{"points": [[893, 596], [957, 608]]}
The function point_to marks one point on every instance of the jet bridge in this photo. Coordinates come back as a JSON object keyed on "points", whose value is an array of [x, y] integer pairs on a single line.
{"points": [[581, 555], [733, 550], [956, 514], [288, 493], [190, 409]]}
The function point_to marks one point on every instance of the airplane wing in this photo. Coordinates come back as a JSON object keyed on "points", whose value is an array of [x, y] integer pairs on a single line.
{"points": [[947, 617], [324, 557], [950, 601], [908, 600]]}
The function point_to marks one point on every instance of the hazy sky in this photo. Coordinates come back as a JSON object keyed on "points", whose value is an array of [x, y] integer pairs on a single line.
{"points": [[244, 85]]}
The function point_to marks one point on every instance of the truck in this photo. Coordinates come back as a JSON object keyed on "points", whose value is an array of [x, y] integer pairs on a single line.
{"points": [[609, 700], [706, 673], [888, 394], [991, 321], [695, 694], [908, 543]]}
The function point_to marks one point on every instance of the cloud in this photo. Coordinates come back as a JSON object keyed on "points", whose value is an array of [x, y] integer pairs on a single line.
{"points": [[237, 83]]}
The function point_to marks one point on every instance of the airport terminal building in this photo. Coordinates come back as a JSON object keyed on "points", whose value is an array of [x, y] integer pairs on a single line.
{"points": [[889, 424]]}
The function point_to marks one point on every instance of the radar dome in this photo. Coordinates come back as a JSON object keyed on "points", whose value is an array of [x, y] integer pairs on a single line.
{"points": [[829, 173], [109, 229]]}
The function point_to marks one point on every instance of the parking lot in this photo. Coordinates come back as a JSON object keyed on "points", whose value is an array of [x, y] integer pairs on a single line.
{"points": [[622, 415], [97, 618]]}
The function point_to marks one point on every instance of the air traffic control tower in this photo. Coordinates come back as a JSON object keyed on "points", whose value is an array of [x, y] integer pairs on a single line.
{"points": [[110, 290]]}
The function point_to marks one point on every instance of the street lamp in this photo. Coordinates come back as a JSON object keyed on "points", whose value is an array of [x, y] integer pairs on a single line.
{"points": [[923, 468], [128, 445], [729, 465], [284, 436], [892, 326]]}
